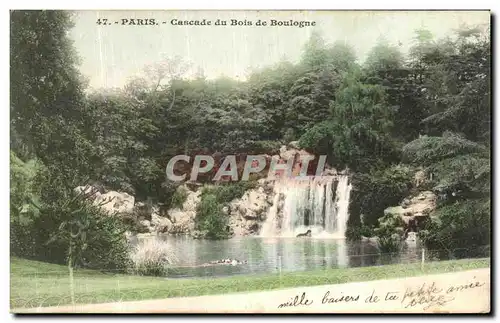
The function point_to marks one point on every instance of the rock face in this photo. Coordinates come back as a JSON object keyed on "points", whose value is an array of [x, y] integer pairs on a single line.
{"points": [[247, 213], [183, 219], [415, 209], [144, 218], [286, 153], [419, 179], [294, 144], [158, 223], [112, 202], [116, 202]]}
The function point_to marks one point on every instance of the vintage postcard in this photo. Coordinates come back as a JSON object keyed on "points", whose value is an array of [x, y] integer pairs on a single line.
{"points": [[184, 161]]}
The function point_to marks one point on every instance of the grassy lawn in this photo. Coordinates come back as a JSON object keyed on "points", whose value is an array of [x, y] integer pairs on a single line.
{"points": [[35, 284]]}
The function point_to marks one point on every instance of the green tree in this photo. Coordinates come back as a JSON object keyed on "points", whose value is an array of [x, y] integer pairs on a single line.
{"points": [[385, 66], [46, 92], [268, 90], [312, 91], [24, 188], [362, 123], [121, 137]]}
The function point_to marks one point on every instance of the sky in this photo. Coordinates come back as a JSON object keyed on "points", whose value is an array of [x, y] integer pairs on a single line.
{"points": [[110, 55]]}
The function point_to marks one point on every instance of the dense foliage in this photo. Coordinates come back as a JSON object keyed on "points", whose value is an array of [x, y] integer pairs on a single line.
{"points": [[52, 151], [211, 220], [62, 227], [373, 192], [381, 119]]}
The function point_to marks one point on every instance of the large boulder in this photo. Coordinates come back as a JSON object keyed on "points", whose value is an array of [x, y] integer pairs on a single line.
{"points": [[112, 202], [419, 206], [286, 154], [251, 205], [153, 223], [294, 144], [247, 213], [160, 224], [115, 202], [143, 211], [420, 179], [183, 219], [143, 226], [330, 172]]}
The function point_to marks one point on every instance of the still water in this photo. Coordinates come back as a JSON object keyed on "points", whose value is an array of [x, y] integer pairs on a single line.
{"points": [[274, 255]]}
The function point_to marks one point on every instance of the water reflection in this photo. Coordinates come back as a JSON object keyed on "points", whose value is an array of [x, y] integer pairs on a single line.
{"points": [[273, 255]]}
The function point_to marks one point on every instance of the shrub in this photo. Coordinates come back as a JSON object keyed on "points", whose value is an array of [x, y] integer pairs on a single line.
{"points": [[209, 215], [318, 139], [178, 198], [390, 244], [25, 192], [97, 239], [25, 188], [152, 257], [372, 193], [356, 231], [227, 192], [265, 147], [210, 218], [353, 233], [390, 233], [167, 191], [69, 228], [463, 224], [428, 150], [107, 246], [366, 230], [289, 135]]}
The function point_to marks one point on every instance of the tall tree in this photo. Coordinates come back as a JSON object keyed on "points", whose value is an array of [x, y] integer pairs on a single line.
{"points": [[357, 134], [311, 93], [385, 66], [46, 92]]}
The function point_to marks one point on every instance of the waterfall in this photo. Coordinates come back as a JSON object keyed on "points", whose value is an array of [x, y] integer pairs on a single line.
{"points": [[342, 204], [309, 204], [269, 227]]}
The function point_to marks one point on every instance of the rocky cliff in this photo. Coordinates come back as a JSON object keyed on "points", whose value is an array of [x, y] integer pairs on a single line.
{"points": [[415, 210], [245, 214]]}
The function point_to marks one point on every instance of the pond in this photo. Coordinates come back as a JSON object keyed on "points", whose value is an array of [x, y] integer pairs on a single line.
{"points": [[274, 255]]}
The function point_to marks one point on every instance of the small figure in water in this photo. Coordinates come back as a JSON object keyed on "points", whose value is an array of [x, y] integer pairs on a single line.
{"points": [[307, 234], [237, 262], [228, 261]]}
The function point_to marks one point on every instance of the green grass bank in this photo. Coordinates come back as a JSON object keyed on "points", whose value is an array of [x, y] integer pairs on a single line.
{"points": [[38, 284]]}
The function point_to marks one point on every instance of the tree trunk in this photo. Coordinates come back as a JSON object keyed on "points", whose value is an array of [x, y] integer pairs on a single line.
{"points": [[70, 268]]}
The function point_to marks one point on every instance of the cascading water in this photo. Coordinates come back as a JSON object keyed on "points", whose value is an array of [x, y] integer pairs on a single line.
{"points": [[269, 227], [309, 204], [342, 204]]}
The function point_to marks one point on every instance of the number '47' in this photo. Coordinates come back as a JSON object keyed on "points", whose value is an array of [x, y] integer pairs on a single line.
{"points": [[102, 21]]}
